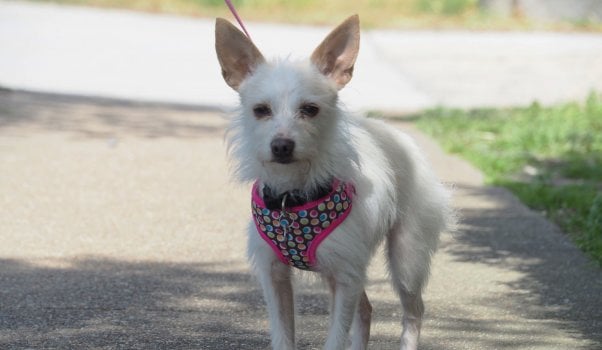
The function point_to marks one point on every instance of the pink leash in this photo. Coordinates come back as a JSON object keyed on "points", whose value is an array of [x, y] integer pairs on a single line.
{"points": [[233, 10]]}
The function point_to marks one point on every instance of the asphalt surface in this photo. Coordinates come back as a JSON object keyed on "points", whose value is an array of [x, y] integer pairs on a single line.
{"points": [[120, 229]]}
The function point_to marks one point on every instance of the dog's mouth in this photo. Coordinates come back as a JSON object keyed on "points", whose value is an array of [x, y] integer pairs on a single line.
{"points": [[287, 162], [283, 160]]}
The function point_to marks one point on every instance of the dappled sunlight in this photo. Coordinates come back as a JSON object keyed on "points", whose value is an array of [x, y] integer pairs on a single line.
{"points": [[109, 299], [544, 278]]}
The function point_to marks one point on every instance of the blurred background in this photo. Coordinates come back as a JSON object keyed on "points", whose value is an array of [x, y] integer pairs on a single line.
{"points": [[416, 14]]}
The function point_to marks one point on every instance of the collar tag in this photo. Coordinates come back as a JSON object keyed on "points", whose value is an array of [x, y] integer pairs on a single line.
{"points": [[284, 215]]}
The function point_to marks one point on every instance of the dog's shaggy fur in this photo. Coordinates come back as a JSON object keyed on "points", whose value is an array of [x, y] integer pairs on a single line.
{"points": [[397, 197]]}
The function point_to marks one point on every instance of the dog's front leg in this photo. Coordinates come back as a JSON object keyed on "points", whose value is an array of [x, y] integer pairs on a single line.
{"points": [[360, 326], [346, 296], [275, 279]]}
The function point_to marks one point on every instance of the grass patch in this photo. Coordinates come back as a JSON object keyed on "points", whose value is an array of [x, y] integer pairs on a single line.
{"points": [[550, 157], [407, 14]]}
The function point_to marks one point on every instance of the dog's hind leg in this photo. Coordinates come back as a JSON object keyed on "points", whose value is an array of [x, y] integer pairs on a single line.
{"points": [[413, 309], [409, 256]]}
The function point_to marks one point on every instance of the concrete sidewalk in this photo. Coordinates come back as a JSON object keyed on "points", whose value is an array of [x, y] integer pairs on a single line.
{"points": [[120, 229], [123, 54]]}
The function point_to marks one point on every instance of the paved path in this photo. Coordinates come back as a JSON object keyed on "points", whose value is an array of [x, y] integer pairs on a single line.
{"points": [[119, 229], [137, 56]]}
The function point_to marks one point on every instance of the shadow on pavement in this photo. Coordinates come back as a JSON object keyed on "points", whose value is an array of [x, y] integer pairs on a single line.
{"points": [[557, 281], [105, 303], [94, 117], [94, 302]]}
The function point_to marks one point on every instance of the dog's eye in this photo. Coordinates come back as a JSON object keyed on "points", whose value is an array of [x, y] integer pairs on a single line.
{"points": [[262, 111], [309, 110]]}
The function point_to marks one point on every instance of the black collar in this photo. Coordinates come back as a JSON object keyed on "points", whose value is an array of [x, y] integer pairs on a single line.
{"points": [[294, 198]]}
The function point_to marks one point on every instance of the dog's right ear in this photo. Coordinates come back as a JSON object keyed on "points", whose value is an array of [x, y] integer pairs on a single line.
{"points": [[237, 55]]}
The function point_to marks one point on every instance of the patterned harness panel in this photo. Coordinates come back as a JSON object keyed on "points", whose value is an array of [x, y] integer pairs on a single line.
{"points": [[295, 233]]}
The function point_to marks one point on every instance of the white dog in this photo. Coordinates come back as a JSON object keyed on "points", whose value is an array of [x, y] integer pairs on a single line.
{"points": [[329, 187]]}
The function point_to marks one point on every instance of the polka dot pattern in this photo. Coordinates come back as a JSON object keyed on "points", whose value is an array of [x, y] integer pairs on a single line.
{"points": [[295, 233]]}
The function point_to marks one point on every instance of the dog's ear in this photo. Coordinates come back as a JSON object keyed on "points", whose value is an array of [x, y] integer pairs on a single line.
{"points": [[236, 53], [336, 55]]}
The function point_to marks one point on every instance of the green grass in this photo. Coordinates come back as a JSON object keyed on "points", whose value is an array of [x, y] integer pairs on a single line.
{"points": [[550, 157], [408, 14]]}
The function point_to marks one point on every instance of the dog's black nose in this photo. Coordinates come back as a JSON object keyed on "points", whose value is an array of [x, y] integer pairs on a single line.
{"points": [[282, 150]]}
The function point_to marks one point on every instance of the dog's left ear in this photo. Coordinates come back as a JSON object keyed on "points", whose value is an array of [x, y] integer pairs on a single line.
{"points": [[236, 54], [336, 55]]}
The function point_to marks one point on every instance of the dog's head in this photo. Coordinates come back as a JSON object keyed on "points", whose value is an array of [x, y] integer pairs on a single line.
{"points": [[287, 125]]}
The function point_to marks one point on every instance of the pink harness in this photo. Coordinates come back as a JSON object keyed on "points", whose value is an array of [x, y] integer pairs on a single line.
{"points": [[295, 233]]}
